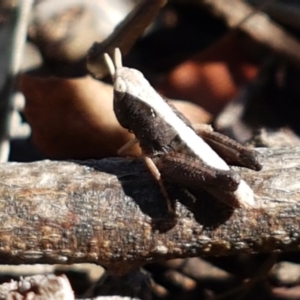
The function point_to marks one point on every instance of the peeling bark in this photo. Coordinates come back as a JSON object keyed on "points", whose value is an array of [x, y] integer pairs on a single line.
{"points": [[111, 212]]}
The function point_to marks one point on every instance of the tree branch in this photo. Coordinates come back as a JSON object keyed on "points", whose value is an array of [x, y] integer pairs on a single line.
{"points": [[124, 35], [256, 24], [111, 212]]}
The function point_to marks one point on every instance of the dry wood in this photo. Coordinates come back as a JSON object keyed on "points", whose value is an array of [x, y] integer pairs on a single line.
{"points": [[124, 36], [111, 212], [258, 25], [47, 287], [285, 13], [37, 287]]}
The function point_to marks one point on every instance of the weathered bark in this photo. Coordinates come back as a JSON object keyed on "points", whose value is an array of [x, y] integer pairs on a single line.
{"points": [[111, 212]]}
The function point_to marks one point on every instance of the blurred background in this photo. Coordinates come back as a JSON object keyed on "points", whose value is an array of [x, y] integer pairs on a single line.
{"points": [[234, 64]]}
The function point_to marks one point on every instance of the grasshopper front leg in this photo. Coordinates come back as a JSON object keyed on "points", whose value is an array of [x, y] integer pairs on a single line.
{"points": [[153, 170], [156, 174], [127, 146]]}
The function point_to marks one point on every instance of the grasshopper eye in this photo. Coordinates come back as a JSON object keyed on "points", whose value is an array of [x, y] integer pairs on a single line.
{"points": [[120, 85]]}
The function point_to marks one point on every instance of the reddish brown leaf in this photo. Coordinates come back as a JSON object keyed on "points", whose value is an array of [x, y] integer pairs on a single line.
{"points": [[214, 76], [74, 118]]}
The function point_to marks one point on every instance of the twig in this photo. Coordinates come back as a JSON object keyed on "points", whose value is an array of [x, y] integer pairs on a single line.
{"points": [[111, 212], [17, 31], [124, 36], [287, 14], [258, 25]]}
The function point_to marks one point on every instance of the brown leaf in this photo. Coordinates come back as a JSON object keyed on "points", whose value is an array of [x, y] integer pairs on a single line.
{"points": [[214, 76], [72, 118], [193, 112]]}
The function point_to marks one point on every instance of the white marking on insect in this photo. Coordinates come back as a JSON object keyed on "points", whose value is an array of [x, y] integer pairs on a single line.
{"points": [[244, 194], [133, 82]]}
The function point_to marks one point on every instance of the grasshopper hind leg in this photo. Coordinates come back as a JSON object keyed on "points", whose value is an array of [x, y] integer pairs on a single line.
{"points": [[230, 150]]}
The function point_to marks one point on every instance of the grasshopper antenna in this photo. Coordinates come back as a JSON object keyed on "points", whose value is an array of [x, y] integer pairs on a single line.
{"points": [[110, 65], [118, 58]]}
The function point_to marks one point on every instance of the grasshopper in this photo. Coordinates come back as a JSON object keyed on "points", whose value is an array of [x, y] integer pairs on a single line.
{"points": [[174, 150]]}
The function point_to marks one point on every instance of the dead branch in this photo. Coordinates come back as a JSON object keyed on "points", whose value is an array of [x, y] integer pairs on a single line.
{"points": [[258, 25], [285, 13], [111, 212], [124, 35]]}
